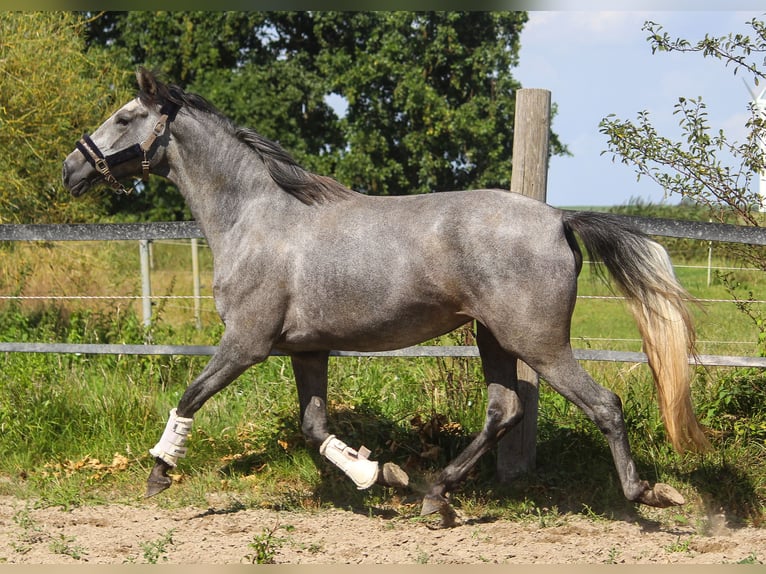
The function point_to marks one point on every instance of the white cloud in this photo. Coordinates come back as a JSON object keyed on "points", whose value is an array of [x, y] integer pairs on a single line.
{"points": [[563, 28], [597, 63]]}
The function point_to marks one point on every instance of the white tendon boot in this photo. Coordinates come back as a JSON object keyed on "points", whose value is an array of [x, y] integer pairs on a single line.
{"points": [[355, 464], [171, 446]]}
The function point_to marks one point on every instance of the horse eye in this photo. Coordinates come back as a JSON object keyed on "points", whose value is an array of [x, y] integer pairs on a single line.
{"points": [[122, 120]]}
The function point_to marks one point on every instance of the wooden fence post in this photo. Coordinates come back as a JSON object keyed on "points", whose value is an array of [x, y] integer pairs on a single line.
{"points": [[146, 282], [196, 283], [517, 450]]}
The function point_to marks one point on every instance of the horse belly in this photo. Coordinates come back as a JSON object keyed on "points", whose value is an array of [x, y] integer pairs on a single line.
{"points": [[362, 328]]}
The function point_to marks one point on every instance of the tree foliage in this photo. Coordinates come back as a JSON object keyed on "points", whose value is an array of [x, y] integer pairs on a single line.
{"points": [[706, 167], [693, 167], [50, 92], [429, 97]]}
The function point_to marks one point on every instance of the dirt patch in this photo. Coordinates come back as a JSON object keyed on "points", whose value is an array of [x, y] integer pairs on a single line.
{"points": [[115, 534]]}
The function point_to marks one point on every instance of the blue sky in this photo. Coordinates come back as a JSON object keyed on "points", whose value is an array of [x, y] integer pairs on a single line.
{"points": [[597, 63]]}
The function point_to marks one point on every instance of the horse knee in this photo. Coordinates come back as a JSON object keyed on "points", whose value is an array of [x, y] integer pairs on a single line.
{"points": [[314, 423], [504, 410]]}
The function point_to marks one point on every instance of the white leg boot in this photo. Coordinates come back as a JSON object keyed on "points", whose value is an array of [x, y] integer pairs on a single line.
{"points": [[171, 446], [354, 463]]}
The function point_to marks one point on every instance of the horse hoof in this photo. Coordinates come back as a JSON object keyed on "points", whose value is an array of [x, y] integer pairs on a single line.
{"points": [[155, 486], [661, 496], [158, 479], [392, 475], [433, 504]]}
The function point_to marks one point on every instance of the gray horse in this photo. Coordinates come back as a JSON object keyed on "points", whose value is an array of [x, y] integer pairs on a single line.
{"points": [[304, 265]]}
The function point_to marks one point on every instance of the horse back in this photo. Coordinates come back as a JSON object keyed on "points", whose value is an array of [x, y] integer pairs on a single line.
{"points": [[389, 272]]}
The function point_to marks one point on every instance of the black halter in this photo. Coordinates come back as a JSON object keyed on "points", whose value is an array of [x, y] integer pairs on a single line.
{"points": [[105, 164]]}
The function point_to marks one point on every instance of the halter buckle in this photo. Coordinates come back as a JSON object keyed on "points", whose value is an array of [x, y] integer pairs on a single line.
{"points": [[101, 165], [159, 128]]}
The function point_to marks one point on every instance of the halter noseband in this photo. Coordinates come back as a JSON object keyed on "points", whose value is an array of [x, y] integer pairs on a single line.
{"points": [[105, 164]]}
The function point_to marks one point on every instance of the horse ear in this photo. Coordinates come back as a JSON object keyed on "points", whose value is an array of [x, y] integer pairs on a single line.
{"points": [[146, 82]]}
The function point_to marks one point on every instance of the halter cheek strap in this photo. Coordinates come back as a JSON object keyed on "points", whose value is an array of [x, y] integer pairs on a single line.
{"points": [[105, 164]]}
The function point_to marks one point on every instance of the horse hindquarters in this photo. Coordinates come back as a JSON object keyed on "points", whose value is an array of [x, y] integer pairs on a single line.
{"points": [[534, 326]]}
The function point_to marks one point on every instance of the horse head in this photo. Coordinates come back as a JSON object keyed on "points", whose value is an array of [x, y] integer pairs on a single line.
{"points": [[131, 142]]}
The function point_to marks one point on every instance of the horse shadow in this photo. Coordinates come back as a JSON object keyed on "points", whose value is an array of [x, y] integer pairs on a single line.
{"points": [[727, 491], [418, 445], [574, 471]]}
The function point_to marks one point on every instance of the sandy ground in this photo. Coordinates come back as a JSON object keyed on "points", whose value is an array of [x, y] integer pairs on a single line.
{"points": [[145, 533]]}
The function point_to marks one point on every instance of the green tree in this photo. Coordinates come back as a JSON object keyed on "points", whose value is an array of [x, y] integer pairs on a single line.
{"points": [[430, 95], [51, 91]]}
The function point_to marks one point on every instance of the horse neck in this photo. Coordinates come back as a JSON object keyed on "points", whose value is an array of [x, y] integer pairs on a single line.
{"points": [[220, 178]]}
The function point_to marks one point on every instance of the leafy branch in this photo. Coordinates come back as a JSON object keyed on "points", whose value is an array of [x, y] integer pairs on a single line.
{"points": [[732, 49], [692, 168]]}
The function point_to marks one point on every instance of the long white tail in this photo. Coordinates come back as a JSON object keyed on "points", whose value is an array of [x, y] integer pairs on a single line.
{"points": [[642, 270]]}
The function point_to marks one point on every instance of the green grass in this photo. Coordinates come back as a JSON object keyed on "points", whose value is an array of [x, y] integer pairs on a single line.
{"points": [[76, 429]]}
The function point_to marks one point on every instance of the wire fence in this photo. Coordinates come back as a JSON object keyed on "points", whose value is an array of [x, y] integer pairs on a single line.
{"points": [[170, 297], [178, 232]]}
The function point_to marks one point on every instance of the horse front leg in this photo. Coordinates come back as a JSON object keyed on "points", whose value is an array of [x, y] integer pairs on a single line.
{"points": [[504, 410], [225, 366], [310, 371]]}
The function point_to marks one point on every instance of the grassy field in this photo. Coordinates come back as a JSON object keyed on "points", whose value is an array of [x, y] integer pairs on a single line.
{"points": [[76, 429]]}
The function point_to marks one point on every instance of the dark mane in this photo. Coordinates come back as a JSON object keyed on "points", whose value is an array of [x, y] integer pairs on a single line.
{"points": [[308, 187]]}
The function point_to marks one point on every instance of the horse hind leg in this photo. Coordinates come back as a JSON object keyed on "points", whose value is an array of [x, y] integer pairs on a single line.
{"points": [[604, 408], [504, 410], [310, 371]]}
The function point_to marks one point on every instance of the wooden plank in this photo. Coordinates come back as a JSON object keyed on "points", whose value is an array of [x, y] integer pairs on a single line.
{"points": [[417, 351], [517, 450]]}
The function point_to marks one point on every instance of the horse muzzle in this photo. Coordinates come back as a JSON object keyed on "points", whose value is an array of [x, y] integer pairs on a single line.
{"points": [[75, 176]]}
